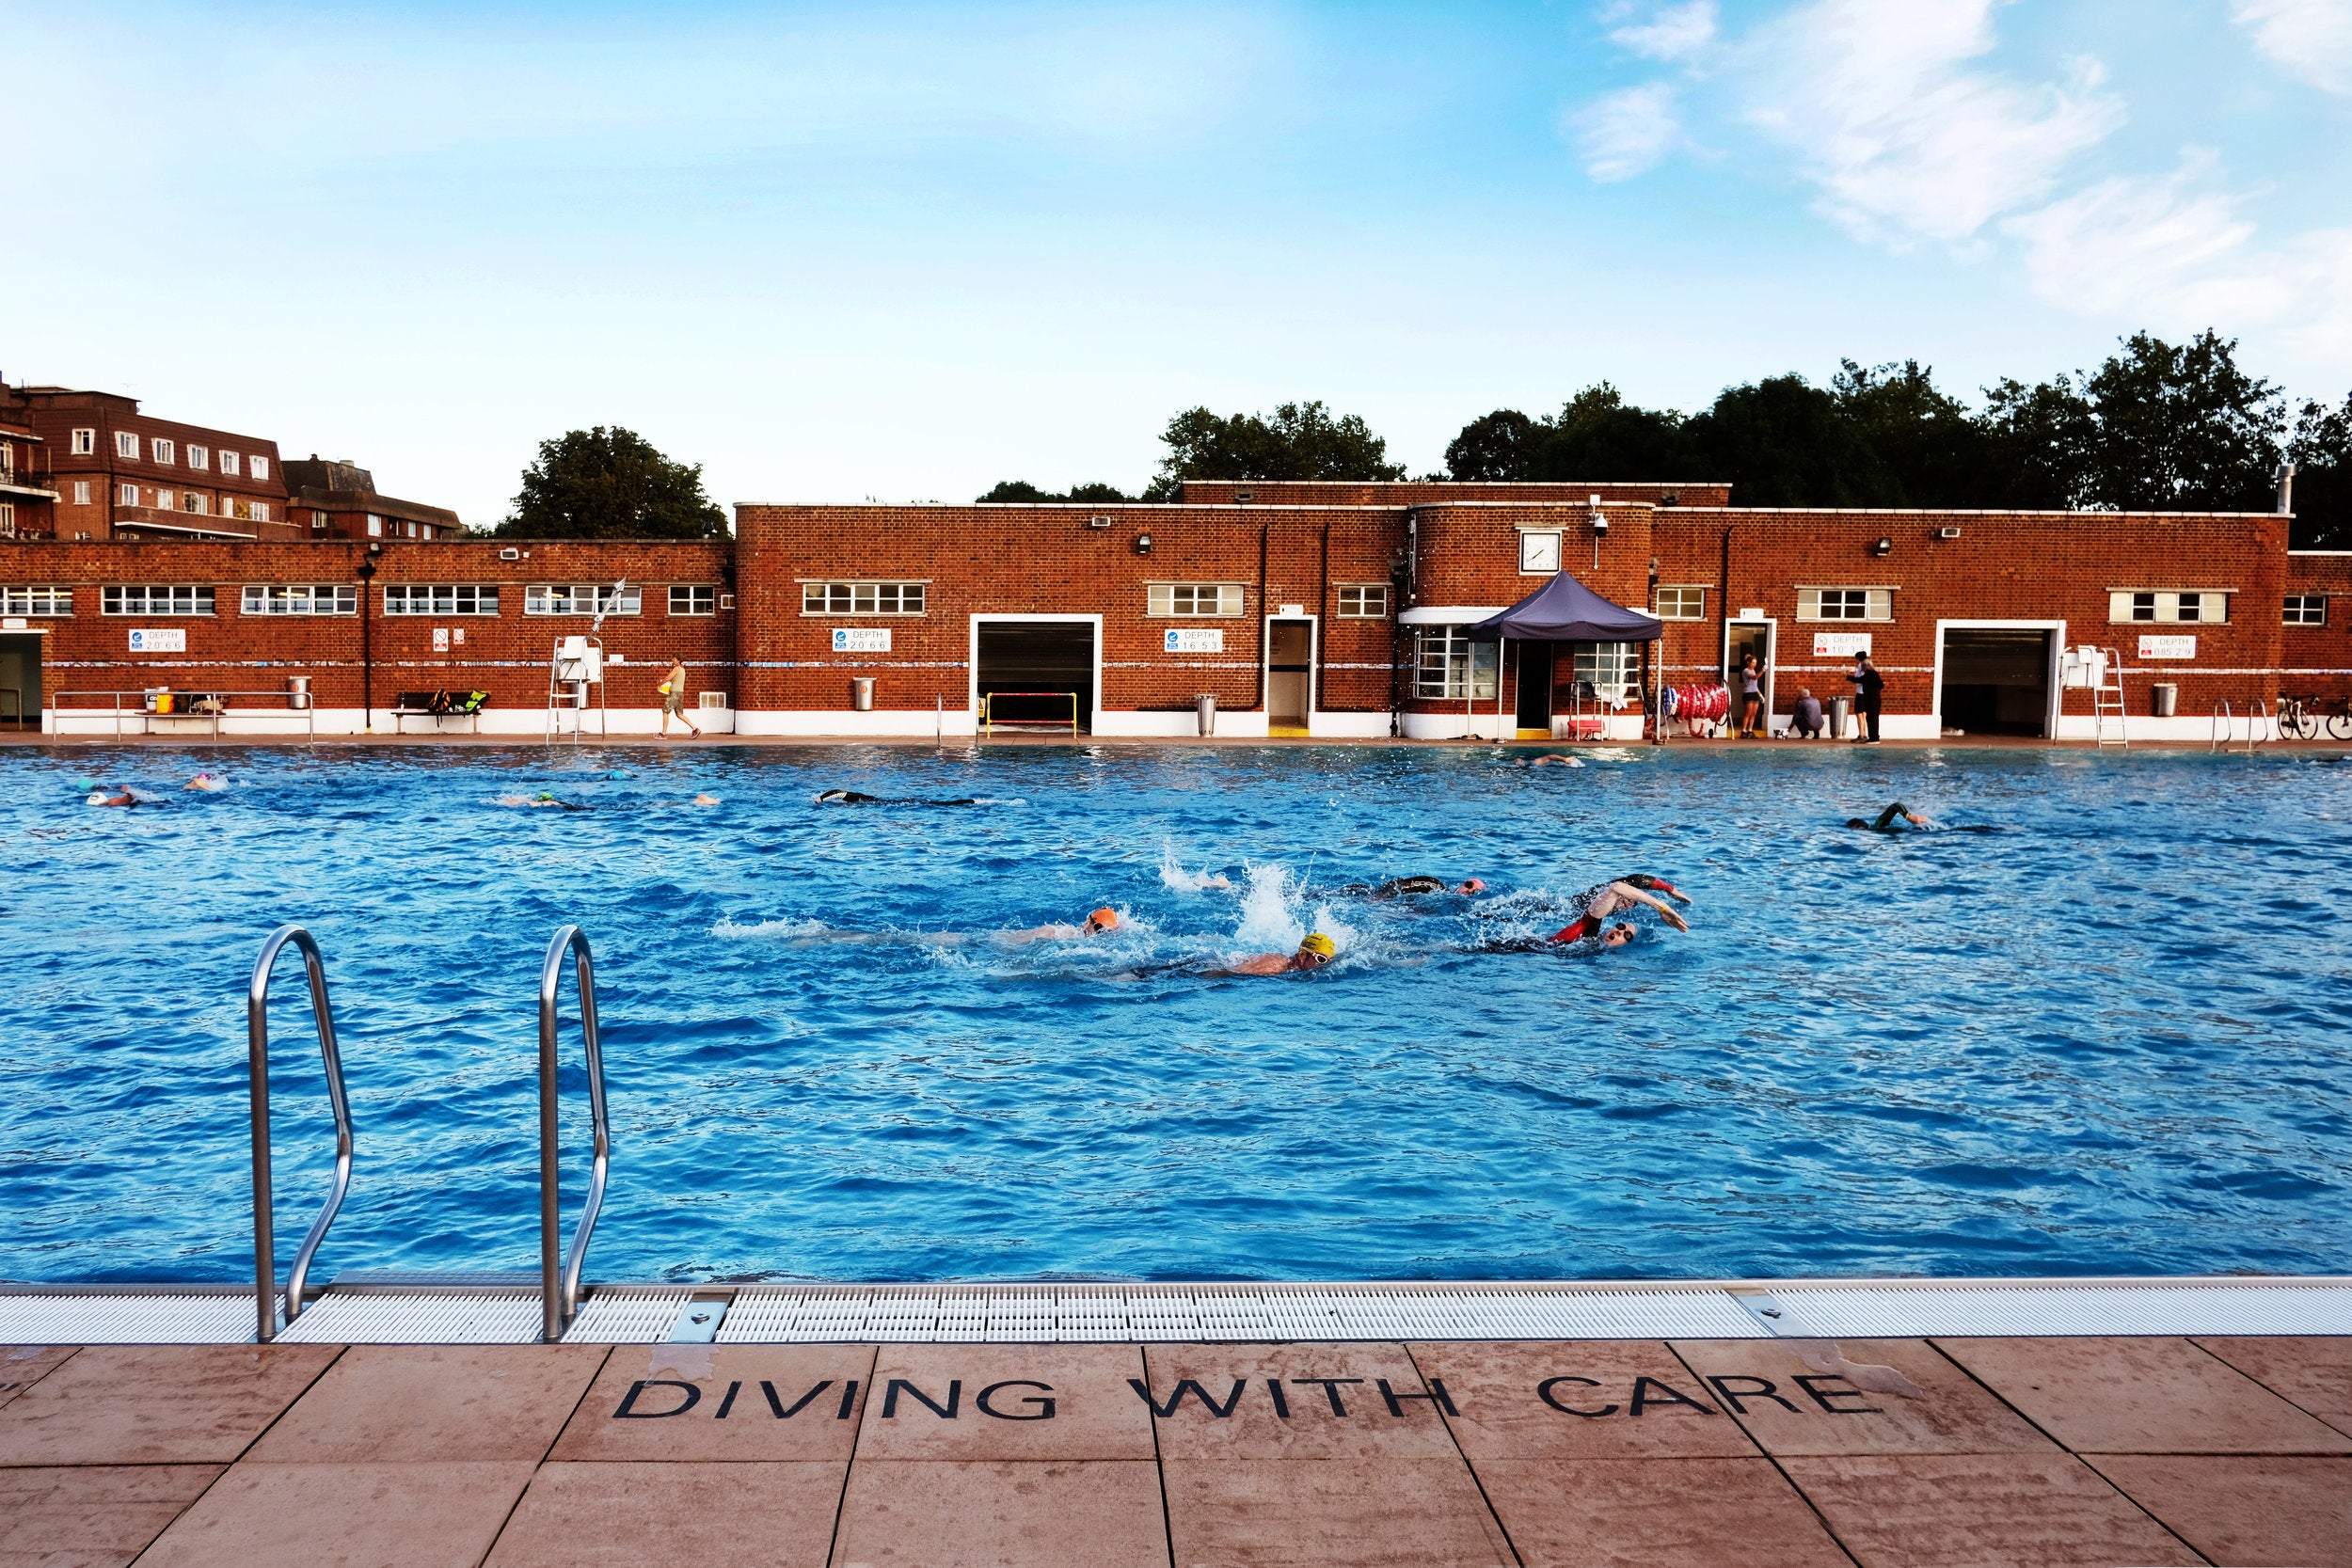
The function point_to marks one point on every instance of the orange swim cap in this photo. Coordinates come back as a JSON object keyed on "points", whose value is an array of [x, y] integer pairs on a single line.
{"points": [[1103, 919]]}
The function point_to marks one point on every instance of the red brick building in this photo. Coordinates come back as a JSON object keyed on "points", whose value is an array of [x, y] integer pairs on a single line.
{"points": [[1329, 609], [120, 473], [337, 498], [28, 504]]}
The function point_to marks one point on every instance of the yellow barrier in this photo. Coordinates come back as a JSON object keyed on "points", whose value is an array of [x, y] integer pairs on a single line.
{"points": [[990, 723]]}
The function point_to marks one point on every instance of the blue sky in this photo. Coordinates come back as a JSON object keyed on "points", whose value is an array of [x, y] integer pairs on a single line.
{"points": [[905, 251]]}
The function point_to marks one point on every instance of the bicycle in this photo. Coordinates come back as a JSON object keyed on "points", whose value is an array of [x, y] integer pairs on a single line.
{"points": [[2302, 718]]}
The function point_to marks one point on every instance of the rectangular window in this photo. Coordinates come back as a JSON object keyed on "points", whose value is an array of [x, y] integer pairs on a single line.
{"points": [[696, 598], [260, 512], [260, 466], [85, 443], [8, 518], [161, 450], [862, 598], [2307, 609], [81, 492], [1193, 598], [37, 599], [319, 520], [193, 502], [1446, 666], [339, 598], [127, 495], [1680, 604], [579, 598], [229, 464], [127, 446], [1368, 602], [2167, 609], [1610, 669], [375, 526], [1539, 554], [1845, 603], [199, 457], [441, 598], [157, 599], [168, 500]]}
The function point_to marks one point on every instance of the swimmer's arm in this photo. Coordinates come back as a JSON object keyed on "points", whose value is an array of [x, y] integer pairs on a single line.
{"points": [[1886, 818], [1626, 889]]}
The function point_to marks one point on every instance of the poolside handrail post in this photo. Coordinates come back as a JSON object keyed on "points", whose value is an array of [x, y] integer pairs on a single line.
{"points": [[267, 1321], [559, 1276]]}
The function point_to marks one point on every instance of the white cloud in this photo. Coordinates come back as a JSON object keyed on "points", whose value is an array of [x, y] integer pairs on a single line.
{"points": [[1624, 134], [2306, 39], [1665, 32], [2177, 252], [1904, 141]]}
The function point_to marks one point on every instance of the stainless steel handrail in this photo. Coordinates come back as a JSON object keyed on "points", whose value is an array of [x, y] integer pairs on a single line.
{"points": [[268, 1321], [51, 705], [559, 1276]]}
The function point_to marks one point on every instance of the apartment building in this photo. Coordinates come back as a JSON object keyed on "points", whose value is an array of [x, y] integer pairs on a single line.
{"points": [[25, 497], [120, 473], [337, 498]]}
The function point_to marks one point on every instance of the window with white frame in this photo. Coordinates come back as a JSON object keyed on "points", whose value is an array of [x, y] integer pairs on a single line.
{"points": [[37, 599], [278, 598], [260, 466], [229, 464], [81, 492], [85, 443], [1447, 665], [1193, 598], [168, 500], [441, 598], [260, 512], [180, 598], [864, 598], [161, 450], [1679, 602], [1539, 554], [127, 495], [1366, 601], [195, 501], [127, 445], [1612, 669], [199, 457], [2163, 607], [694, 598], [1845, 603], [2307, 609], [375, 526], [579, 598], [8, 518]]}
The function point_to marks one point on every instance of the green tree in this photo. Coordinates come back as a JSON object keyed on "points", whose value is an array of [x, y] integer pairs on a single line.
{"points": [[2182, 428], [1597, 435], [1928, 443], [1299, 441], [1782, 442], [610, 483], [2321, 450], [2039, 440], [1500, 446], [1022, 490]]}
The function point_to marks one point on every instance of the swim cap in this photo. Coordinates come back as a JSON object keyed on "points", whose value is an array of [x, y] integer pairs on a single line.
{"points": [[1474, 885], [1315, 942], [1103, 919]]}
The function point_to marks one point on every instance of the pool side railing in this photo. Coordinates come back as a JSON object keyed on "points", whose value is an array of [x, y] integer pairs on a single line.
{"points": [[269, 1321]]}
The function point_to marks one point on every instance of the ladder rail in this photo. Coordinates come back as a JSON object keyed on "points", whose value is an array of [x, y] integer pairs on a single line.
{"points": [[2223, 721], [267, 1319], [559, 1274], [2256, 717], [2107, 701]]}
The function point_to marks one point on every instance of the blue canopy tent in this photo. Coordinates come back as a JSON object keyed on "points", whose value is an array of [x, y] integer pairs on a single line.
{"points": [[1562, 610]]}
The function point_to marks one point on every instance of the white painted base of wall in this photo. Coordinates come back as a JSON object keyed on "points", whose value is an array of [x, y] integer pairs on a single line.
{"points": [[892, 723], [1348, 726], [1481, 726], [282, 724], [2179, 727]]}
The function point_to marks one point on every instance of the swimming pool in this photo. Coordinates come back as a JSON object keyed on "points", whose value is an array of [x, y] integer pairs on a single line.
{"points": [[2111, 1038]]}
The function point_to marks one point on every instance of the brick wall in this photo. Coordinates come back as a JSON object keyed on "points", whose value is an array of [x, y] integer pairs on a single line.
{"points": [[1416, 492]]}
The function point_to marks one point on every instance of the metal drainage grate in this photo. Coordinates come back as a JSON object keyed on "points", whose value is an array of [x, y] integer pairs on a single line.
{"points": [[503, 1316], [628, 1315], [1904, 1310], [145, 1318]]}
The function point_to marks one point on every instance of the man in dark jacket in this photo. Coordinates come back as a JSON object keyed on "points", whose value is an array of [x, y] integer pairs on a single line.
{"points": [[1869, 688]]}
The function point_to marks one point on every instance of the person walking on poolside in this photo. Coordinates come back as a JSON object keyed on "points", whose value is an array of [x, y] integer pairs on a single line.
{"points": [[1314, 951], [1806, 718], [1752, 719], [1869, 688], [674, 698], [1596, 905]]}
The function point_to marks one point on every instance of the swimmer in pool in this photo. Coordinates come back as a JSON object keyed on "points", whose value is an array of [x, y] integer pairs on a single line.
{"points": [[542, 798], [1314, 951], [99, 797], [853, 798], [1595, 906], [1101, 920], [1885, 824], [1648, 883], [706, 799], [1413, 887], [1547, 759], [207, 782]]}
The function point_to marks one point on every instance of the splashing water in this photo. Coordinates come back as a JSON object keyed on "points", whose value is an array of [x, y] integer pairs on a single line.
{"points": [[1174, 878]]}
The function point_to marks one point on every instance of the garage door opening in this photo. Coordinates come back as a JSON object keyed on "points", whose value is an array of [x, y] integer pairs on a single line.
{"points": [[20, 682], [1038, 672], [1996, 681]]}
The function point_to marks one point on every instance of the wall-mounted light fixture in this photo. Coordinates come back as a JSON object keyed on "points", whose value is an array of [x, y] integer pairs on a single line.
{"points": [[1885, 546], [1143, 543]]}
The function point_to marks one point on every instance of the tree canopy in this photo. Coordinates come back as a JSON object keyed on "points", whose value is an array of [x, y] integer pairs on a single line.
{"points": [[1022, 490], [610, 483], [1298, 440]]}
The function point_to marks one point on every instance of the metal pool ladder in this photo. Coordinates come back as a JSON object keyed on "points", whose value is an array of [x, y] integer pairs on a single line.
{"points": [[268, 1320], [559, 1276]]}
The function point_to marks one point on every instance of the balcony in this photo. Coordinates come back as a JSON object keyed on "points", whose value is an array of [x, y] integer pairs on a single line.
{"points": [[171, 524]]}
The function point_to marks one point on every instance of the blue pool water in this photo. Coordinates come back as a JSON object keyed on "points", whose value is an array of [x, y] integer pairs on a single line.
{"points": [[2111, 1038]]}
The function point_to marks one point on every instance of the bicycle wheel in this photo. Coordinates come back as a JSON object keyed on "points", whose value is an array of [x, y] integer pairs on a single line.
{"points": [[2298, 723], [2340, 725]]}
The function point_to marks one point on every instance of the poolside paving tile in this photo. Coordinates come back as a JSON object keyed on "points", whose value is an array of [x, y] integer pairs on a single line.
{"points": [[416, 1515], [21, 1366], [1372, 1510], [1294, 1401], [979, 1513], [1656, 1513], [2251, 1509], [2313, 1372], [626, 1514], [156, 1404], [386, 1403], [1006, 1403], [1981, 1511], [1591, 1398], [722, 1402], [1790, 1405], [2141, 1395], [92, 1515]]}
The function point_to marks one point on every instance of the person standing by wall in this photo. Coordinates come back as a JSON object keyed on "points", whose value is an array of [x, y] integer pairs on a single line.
{"points": [[1753, 720], [1869, 690], [674, 697]]}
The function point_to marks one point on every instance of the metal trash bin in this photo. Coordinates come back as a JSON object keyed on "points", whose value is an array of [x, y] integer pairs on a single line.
{"points": [[298, 693], [1204, 709], [2165, 698], [1840, 710], [861, 693]]}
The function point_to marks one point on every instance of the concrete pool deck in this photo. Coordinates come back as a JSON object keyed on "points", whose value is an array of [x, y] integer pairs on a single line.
{"points": [[2157, 1449]]}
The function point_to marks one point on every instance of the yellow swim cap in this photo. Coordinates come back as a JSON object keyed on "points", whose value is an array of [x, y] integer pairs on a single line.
{"points": [[1315, 942]]}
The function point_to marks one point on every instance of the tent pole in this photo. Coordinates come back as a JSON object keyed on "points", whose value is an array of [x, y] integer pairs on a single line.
{"points": [[1503, 647]]}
